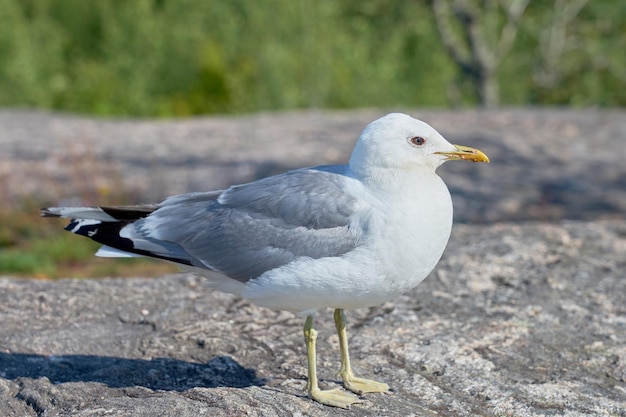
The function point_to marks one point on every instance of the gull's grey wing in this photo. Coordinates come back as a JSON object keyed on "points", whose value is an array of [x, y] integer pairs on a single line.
{"points": [[252, 228]]}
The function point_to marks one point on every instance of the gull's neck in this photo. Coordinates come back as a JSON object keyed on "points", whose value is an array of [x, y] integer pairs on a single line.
{"points": [[391, 180]]}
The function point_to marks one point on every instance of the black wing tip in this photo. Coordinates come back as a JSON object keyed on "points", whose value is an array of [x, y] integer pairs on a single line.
{"points": [[108, 233], [71, 227]]}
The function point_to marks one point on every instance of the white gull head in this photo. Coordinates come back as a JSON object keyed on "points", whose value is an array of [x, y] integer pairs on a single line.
{"points": [[398, 142]]}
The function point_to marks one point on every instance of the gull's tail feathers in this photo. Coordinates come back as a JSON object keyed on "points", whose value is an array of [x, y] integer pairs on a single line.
{"points": [[118, 228]]}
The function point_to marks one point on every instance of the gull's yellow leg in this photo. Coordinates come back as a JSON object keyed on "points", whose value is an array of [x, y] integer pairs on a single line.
{"points": [[354, 384], [335, 397]]}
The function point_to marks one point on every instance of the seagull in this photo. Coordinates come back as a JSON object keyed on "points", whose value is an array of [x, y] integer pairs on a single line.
{"points": [[332, 236]]}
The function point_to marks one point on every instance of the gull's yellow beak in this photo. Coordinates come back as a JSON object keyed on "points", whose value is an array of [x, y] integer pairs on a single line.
{"points": [[466, 153]]}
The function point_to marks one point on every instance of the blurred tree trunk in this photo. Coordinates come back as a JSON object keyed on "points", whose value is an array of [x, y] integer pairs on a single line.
{"points": [[478, 35], [554, 41]]}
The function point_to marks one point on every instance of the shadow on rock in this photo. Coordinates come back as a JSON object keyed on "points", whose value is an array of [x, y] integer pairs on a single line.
{"points": [[157, 374]]}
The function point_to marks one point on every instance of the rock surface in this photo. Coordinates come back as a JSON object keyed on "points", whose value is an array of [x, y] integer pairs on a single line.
{"points": [[518, 319]]}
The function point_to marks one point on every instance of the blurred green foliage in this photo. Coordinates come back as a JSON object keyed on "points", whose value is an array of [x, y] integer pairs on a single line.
{"points": [[185, 57]]}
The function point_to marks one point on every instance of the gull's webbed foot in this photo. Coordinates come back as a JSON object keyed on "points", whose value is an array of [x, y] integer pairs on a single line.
{"points": [[334, 397], [362, 385]]}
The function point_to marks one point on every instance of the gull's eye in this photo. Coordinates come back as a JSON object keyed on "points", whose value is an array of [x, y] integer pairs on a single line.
{"points": [[417, 141]]}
